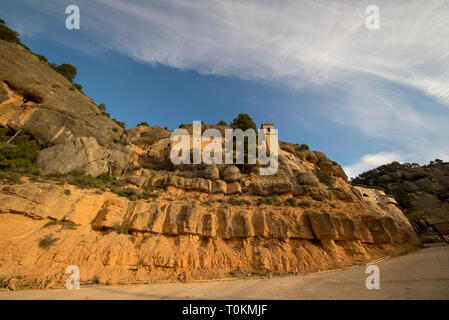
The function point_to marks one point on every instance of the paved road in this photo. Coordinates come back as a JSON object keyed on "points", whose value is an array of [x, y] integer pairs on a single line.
{"points": [[422, 274]]}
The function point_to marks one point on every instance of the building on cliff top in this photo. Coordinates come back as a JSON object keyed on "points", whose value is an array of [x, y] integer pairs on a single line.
{"points": [[374, 194], [268, 128]]}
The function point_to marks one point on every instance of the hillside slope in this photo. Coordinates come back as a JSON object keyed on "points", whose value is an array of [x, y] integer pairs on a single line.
{"points": [[109, 201], [422, 191]]}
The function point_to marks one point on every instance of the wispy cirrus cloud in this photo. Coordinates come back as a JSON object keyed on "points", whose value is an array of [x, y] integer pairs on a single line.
{"points": [[300, 43]]}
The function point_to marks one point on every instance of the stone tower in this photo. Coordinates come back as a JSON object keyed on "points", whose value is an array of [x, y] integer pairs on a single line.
{"points": [[268, 128]]}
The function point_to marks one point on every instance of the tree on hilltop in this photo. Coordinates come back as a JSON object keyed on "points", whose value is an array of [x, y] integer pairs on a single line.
{"points": [[66, 69], [244, 122], [7, 34]]}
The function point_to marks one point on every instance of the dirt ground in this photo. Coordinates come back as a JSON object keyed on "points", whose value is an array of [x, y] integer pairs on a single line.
{"points": [[423, 274]]}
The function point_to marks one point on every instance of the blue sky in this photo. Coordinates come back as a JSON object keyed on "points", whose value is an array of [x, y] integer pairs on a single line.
{"points": [[364, 97]]}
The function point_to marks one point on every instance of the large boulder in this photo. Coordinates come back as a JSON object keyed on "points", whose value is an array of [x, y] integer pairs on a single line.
{"points": [[234, 187], [211, 172], [270, 187], [146, 135], [219, 186], [80, 153], [191, 184], [308, 178], [231, 173]]}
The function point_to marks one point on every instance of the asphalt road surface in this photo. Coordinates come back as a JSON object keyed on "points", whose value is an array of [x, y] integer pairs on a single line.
{"points": [[422, 274]]}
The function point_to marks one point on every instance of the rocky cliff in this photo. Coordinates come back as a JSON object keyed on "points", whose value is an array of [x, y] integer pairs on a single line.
{"points": [[109, 201], [422, 191]]}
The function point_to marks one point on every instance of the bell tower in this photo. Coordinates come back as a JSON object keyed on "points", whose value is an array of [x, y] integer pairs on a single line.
{"points": [[269, 129]]}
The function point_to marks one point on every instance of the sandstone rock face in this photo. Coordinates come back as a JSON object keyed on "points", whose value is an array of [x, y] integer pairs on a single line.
{"points": [[195, 184], [83, 153], [138, 181], [231, 173], [194, 224], [59, 114], [426, 188], [270, 187], [219, 186], [170, 238], [234, 188], [315, 157]]}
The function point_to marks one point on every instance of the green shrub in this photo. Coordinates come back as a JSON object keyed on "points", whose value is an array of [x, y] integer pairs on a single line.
{"points": [[66, 69], [7, 34], [105, 177], [185, 174], [10, 177], [56, 175], [3, 282], [222, 123], [15, 163], [77, 172], [304, 204], [238, 202], [372, 177], [318, 198], [120, 123], [18, 156], [146, 195], [324, 177], [290, 202], [83, 181], [42, 58], [269, 200], [127, 192], [95, 280], [403, 198], [78, 87], [143, 123], [22, 149], [121, 228], [152, 166], [102, 107]]}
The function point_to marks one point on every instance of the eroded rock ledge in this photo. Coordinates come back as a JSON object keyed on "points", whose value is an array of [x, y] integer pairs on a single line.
{"points": [[168, 239]]}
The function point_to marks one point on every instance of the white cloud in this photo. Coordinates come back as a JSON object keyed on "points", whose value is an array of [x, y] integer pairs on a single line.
{"points": [[370, 161], [422, 155], [301, 44]]}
